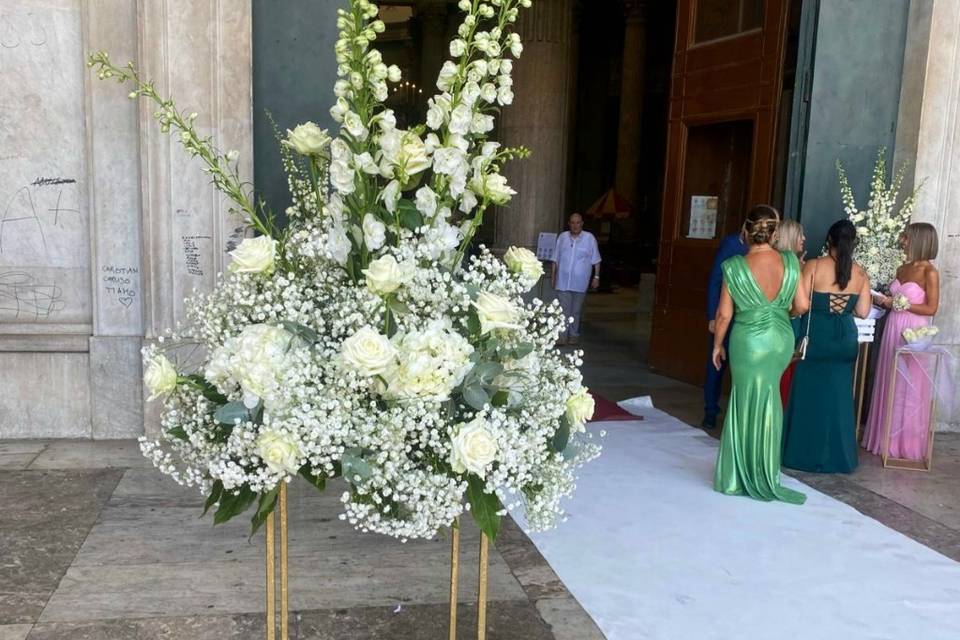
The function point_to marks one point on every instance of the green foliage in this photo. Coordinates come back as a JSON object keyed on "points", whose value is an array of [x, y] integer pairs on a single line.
{"points": [[484, 507], [233, 504]]}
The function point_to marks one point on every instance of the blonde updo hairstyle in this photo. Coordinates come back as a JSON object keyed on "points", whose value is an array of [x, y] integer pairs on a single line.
{"points": [[761, 224]]}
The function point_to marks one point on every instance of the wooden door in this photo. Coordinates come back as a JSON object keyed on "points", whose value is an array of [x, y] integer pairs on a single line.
{"points": [[725, 89]]}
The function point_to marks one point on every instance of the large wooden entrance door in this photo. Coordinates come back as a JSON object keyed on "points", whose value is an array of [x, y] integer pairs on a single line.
{"points": [[725, 89]]}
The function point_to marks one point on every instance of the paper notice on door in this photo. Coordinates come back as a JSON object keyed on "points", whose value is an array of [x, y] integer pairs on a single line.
{"points": [[703, 217], [546, 245]]}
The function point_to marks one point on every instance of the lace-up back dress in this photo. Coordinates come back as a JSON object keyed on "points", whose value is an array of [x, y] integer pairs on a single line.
{"points": [[819, 431]]}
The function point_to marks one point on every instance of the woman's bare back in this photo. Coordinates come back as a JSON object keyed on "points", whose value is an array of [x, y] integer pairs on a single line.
{"points": [[767, 268]]}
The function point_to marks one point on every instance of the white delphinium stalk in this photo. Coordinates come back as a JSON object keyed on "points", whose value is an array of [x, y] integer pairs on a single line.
{"points": [[880, 225]]}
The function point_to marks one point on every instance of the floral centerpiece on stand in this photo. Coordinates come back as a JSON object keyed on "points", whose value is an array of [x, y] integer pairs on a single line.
{"points": [[361, 341], [880, 225]]}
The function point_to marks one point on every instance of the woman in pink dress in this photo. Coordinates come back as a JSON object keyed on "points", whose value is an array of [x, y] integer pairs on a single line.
{"points": [[919, 282]]}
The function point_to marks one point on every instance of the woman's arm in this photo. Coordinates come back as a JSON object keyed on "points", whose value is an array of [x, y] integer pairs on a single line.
{"points": [[932, 287], [721, 325], [801, 299], [864, 302]]}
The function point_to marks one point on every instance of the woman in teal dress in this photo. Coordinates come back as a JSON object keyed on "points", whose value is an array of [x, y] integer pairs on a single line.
{"points": [[819, 433], [762, 286]]}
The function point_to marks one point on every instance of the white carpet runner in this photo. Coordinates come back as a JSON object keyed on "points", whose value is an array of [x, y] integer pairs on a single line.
{"points": [[651, 551]]}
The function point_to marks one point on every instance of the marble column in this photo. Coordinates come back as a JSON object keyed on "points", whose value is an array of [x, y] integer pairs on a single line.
{"points": [[938, 146], [432, 16], [631, 100], [539, 119], [199, 52]]}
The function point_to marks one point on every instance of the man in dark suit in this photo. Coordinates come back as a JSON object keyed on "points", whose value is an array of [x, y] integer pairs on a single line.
{"points": [[732, 245]]}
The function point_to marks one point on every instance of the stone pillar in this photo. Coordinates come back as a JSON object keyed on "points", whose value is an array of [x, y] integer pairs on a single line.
{"points": [[432, 17], [539, 119], [116, 409], [199, 52], [631, 101], [938, 146]]}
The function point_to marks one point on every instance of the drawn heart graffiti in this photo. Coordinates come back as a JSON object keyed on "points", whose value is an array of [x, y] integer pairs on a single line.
{"points": [[126, 301]]}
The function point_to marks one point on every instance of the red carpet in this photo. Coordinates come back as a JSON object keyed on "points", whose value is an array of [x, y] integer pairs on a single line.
{"points": [[606, 410]]}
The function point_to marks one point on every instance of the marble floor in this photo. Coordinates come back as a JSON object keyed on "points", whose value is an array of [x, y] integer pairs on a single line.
{"points": [[95, 544]]}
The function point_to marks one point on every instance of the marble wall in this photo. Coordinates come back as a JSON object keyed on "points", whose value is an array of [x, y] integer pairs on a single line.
{"points": [[936, 99], [105, 224]]}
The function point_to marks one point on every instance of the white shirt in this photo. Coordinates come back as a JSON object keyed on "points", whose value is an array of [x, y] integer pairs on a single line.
{"points": [[575, 257]]}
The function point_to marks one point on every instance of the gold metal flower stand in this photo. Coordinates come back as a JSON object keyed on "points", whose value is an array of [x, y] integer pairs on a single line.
{"points": [[481, 583], [278, 519], [902, 358], [866, 333]]}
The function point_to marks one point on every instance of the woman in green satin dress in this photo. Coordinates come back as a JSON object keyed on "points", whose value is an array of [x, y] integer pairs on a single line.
{"points": [[762, 286]]}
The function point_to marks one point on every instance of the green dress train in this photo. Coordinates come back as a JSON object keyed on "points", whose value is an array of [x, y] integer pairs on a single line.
{"points": [[761, 345]]}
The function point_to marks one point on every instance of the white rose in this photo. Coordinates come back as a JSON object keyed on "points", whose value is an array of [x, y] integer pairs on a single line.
{"points": [[525, 262], [254, 255], [579, 408], [494, 187], [160, 376], [368, 352], [385, 275], [489, 92], [393, 73], [279, 451], [495, 312], [473, 448], [308, 139], [374, 232]]}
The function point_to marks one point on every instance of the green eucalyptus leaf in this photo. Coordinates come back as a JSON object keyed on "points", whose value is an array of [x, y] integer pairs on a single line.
{"points": [[354, 466], [301, 331], [231, 412], [215, 492], [397, 307], [475, 396], [484, 507], [501, 398], [486, 372], [521, 350]]}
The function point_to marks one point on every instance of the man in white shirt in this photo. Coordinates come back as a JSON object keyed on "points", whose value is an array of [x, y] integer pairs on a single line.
{"points": [[576, 257]]}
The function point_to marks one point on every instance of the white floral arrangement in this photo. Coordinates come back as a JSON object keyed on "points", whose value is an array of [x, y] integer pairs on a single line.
{"points": [[900, 302], [920, 337], [361, 341], [880, 225]]}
